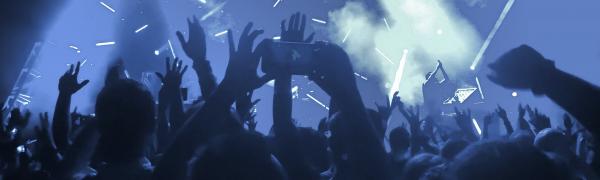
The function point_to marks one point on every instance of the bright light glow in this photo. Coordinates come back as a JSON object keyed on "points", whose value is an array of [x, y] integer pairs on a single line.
{"points": [[277, 38], [141, 28], [221, 33], [490, 37], [476, 126], [319, 21], [479, 88], [107, 7], [384, 56], [105, 43], [398, 77], [514, 94], [439, 32], [171, 48], [202, 1], [156, 52], [317, 101]]}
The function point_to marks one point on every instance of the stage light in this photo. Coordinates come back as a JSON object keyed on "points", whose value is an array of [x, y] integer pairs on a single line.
{"points": [[490, 37], [476, 126], [398, 77], [514, 94]]}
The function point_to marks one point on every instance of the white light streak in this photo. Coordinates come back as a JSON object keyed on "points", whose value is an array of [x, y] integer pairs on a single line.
{"points": [[107, 7], [385, 57], [277, 38], [398, 78], [361, 76], [126, 74], [276, 3], [27, 96], [487, 41], [213, 11], [74, 47], [479, 88], [319, 21], [202, 1], [386, 24], [476, 126], [294, 92], [141, 28], [221, 33], [171, 48], [317, 101], [83, 62], [346, 36], [105, 43]]}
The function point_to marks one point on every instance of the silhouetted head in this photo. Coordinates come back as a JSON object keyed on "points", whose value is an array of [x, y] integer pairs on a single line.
{"points": [[502, 160], [552, 140], [315, 146], [237, 155], [452, 147], [125, 112], [522, 137], [399, 140], [419, 164]]}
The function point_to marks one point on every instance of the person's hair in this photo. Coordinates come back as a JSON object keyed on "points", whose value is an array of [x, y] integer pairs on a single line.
{"points": [[452, 147], [125, 112], [419, 164], [551, 140], [399, 140], [237, 155], [500, 159]]}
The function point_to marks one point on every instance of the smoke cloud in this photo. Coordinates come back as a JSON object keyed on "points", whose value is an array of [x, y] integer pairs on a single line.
{"points": [[428, 29]]}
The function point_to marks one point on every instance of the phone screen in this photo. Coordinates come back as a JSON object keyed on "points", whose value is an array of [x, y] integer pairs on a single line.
{"points": [[299, 55]]}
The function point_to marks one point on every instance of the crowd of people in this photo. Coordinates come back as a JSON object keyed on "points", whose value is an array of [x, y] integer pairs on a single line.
{"points": [[131, 137]]}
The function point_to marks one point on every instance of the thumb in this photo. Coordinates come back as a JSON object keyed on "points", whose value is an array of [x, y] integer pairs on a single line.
{"points": [[83, 83]]}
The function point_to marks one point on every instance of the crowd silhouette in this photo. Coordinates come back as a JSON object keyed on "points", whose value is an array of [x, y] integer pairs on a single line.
{"points": [[131, 137]]}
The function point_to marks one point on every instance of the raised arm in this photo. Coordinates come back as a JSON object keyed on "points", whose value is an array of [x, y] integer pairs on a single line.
{"points": [[61, 124], [334, 74], [210, 120], [525, 68], [195, 48], [502, 114]]}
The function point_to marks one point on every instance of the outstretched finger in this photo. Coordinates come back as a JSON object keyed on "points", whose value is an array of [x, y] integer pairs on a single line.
{"points": [[184, 69], [174, 65], [181, 38], [160, 76], [70, 69], [167, 64], [252, 37], [77, 68], [303, 24], [297, 22], [244, 41], [231, 43], [283, 30], [83, 83], [291, 23]]}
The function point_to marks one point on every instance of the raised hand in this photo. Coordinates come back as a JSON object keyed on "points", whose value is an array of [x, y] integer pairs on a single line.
{"points": [[172, 79], [68, 82], [240, 75], [501, 112], [521, 68], [17, 120], [464, 122], [386, 109], [295, 30], [539, 120], [195, 46]]}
